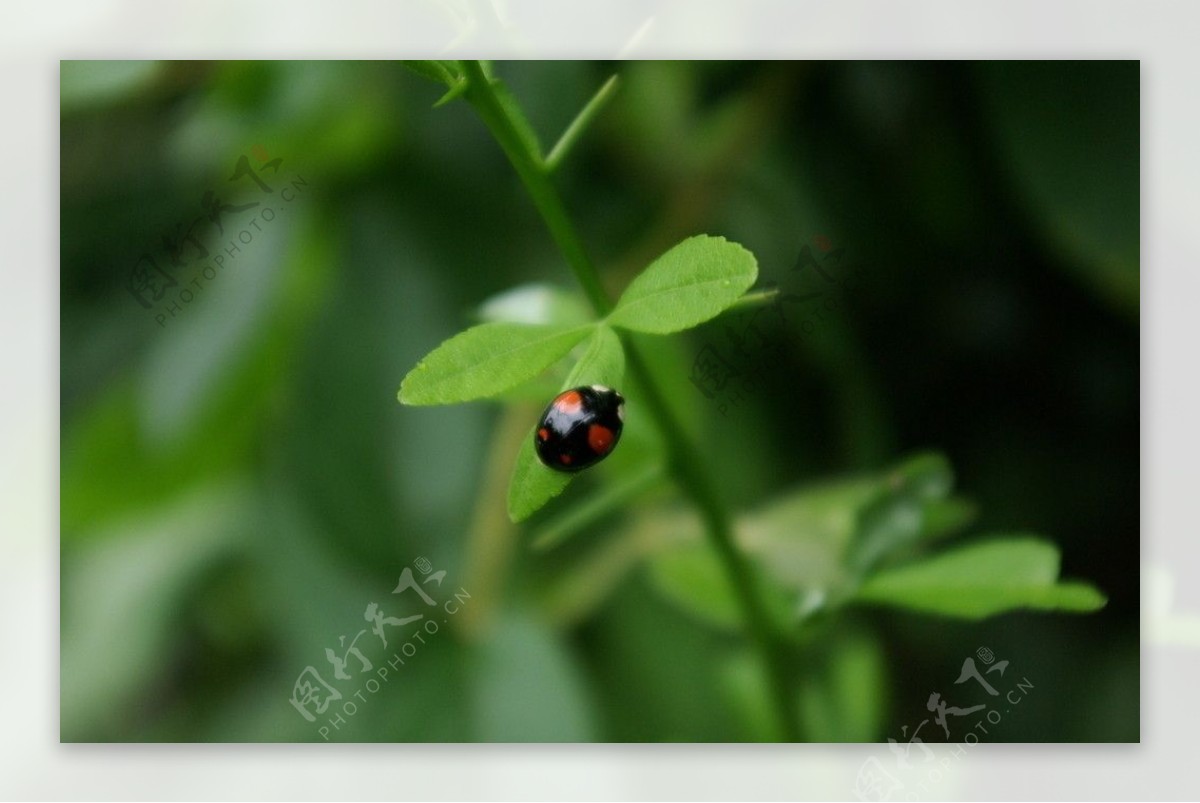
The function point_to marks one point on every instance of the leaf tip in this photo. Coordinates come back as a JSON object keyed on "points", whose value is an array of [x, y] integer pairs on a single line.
{"points": [[532, 484], [405, 395], [1092, 598], [522, 506]]}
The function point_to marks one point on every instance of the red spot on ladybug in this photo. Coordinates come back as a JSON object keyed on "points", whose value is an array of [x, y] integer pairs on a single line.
{"points": [[543, 434], [569, 403], [565, 458], [600, 438]]}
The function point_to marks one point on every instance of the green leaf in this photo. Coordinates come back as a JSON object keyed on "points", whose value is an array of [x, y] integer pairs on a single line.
{"points": [[537, 390], [486, 360], [693, 577], [822, 513], [689, 284], [532, 484], [842, 697], [800, 538], [602, 363], [899, 514], [893, 520], [747, 692], [129, 585], [981, 580], [945, 517], [927, 476]]}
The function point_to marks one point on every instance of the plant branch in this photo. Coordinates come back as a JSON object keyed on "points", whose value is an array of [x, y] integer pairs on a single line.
{"points": [[529, 167], [580, 123], [683, 458]]}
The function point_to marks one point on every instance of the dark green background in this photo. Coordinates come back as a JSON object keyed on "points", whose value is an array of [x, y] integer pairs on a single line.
{"points": [[238, 484]]}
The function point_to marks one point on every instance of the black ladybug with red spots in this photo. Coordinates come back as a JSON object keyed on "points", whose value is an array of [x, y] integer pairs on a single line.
{"points": [[580, 428]]}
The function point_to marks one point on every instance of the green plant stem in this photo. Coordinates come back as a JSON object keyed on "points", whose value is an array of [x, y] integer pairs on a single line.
{"points": [[533, 174], [684, 459], [580, 123]]}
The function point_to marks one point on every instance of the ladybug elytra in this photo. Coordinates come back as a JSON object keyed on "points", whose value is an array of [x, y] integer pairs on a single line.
{"points": [[580, 428]]}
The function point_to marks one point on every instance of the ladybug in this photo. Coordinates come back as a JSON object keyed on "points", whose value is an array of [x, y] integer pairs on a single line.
{"points": [[580, 428]]}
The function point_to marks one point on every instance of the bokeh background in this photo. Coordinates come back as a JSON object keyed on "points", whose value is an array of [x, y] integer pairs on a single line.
{"points": [[239, 483]]}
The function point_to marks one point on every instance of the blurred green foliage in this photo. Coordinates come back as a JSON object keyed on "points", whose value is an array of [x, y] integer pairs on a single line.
{"points": [[239, 483]]}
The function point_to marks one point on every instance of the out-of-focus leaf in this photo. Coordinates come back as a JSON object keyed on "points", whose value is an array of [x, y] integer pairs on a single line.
{"points": [[535, 303], [822, 511], [527, 687], [486, 360], [197, 435], [890, 522], [745, 686], [815, 543], [121, 592], [797, 540], [693, 577], [981, 580], [943, 517], [843, 699], [895, 518], [1068, 136], [689, 284], [926, 476], [199, 355], [802, 538]]}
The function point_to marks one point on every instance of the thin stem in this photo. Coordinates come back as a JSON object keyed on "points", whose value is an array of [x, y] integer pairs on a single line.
{"points": [[580, 123], [529, 167], [686, 463], [758, 298]]}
